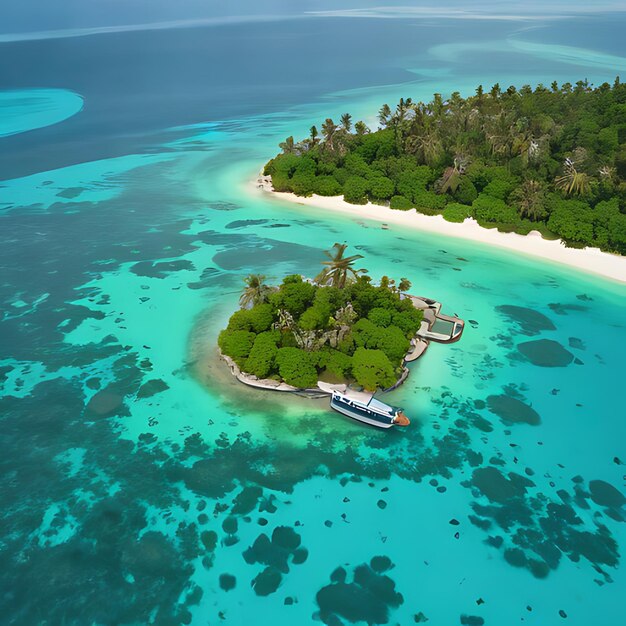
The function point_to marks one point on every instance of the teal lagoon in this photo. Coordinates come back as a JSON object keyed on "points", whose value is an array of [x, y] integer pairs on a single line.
{"points": [[142, 484]]}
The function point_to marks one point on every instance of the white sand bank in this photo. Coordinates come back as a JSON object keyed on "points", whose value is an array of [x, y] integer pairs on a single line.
{"points": [[591, 260]]}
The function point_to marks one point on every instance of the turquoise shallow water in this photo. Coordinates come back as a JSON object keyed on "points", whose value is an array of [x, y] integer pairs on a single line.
{"points": [[143, 485], [21, 111]]}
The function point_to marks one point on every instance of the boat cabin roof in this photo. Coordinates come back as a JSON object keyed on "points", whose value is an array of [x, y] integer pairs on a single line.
{"points": [[380, 406], [367, 400]]}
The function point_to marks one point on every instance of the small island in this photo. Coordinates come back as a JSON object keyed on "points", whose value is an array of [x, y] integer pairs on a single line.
{"points": [[336, 333], [551, 160]]}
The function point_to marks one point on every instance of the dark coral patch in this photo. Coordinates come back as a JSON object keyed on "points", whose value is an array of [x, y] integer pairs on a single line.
{"points": [[286, 538], [152, 387], [267, 582], [563, 309], [300, 556], [368, 598], [530, 322], [576, 343], [105, 403], [380, 564], [497, 487], [70, 193], [160, 269], [246, 500], [515, 557], [227, 582], [209, 539], [230, 525], [513, 411], [339, 575], [243, 223], [275, 553], [546, 353], [604, 494]]}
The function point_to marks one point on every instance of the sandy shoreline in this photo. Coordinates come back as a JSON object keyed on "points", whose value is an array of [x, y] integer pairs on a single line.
{"points": [[592, 260]]}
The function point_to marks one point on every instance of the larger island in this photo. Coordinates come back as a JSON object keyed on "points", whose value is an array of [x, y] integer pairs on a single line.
{"points": [[551, 160]]}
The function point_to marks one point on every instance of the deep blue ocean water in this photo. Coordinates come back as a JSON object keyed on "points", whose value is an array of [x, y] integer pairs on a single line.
{"points": [[141, 484]]}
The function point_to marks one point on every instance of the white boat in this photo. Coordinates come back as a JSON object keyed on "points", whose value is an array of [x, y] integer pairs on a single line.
{"points": [[368, 410]]}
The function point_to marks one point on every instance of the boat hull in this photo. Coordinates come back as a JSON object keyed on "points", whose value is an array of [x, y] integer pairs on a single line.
{"points": [[360, 415]]}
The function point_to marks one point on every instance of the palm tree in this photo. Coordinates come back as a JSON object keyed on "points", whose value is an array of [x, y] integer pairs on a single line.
{"points": [[523, 142], [346, 122], [255, 292], [437, 104], [361, 128], [529, 199], [288, 146], [402, 109], [427, 146], [404, 284], [572, 182], [498, 131], [607, 173], [338, 269], [329, 128], [384, 114]]}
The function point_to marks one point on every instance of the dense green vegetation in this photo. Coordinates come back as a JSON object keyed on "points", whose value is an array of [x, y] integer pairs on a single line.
{"points": [[338, 328], [549, 159]]}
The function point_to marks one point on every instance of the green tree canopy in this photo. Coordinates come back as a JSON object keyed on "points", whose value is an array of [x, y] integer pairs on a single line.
{"points": [[372, 369]]}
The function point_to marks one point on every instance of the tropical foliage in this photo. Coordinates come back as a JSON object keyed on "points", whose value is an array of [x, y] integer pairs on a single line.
{"points": [[339, 328], [551, 159]]}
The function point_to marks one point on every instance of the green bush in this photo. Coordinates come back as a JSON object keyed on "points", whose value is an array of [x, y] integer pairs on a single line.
{"points": [[428, 201], [372, 369], [499, 188], [341, 176], [393, 342], [327, 186], [295, 368], [466, 192], [572, 220], [285, 164], [339, 364], [377, 145], [240, 320], [486, 208], [365, 333], [261, 359], [316, 317], [236, 344], [455, 212], [281, 182], [380, 317], [295, 295], [355, 190], [617, 233], [355, 165], [261, 317], [303, 184], [401, 203], [381, 187], [408, 321]]}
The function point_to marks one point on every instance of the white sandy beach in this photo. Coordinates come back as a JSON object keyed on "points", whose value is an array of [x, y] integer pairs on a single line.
{"points": [[591, 260]]}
